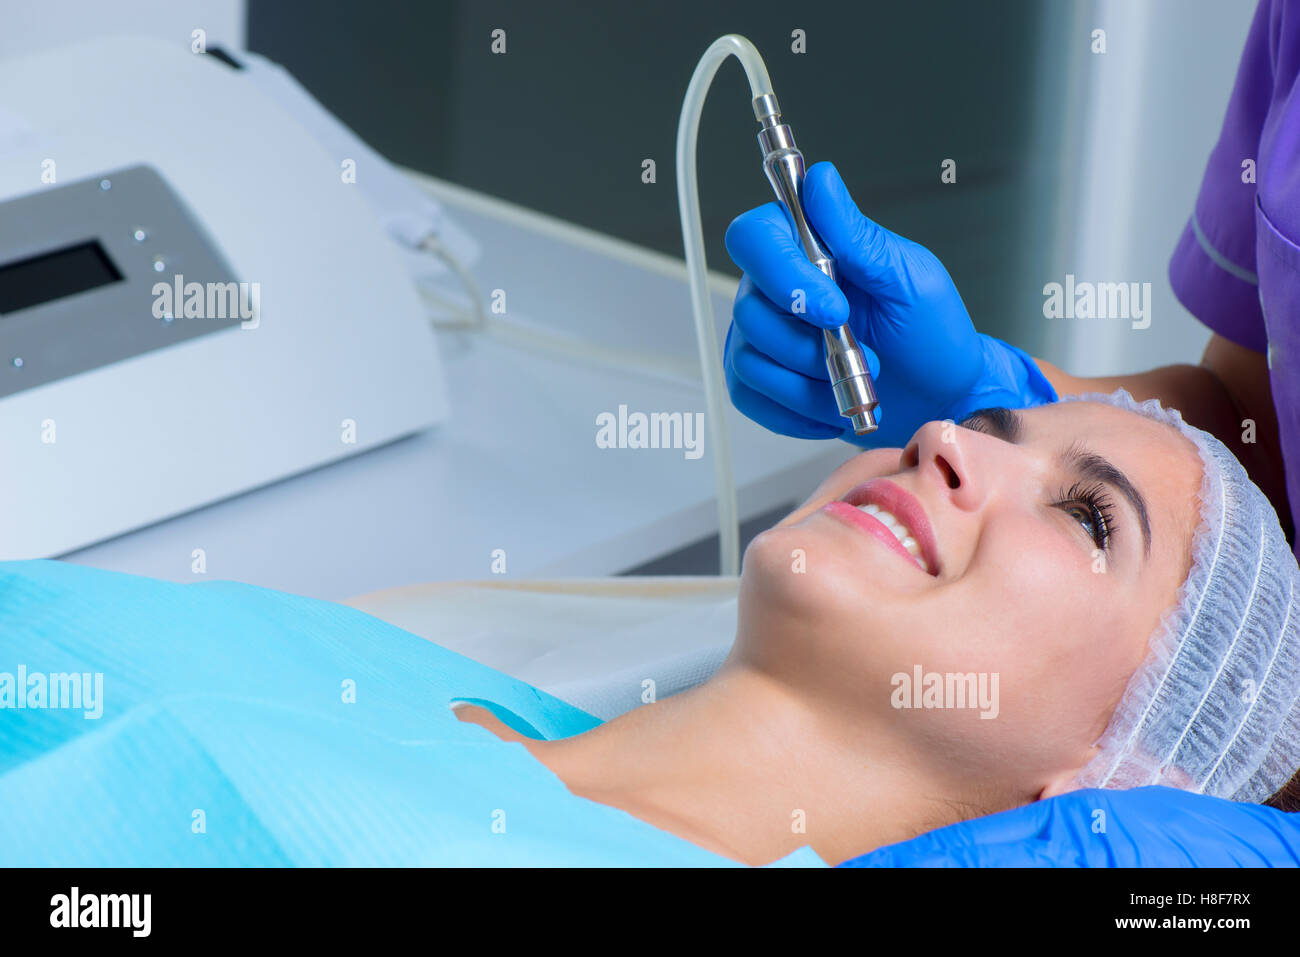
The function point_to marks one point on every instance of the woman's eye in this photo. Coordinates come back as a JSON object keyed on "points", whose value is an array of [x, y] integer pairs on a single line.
{"points": [[1084, 517], [1092, 511]]}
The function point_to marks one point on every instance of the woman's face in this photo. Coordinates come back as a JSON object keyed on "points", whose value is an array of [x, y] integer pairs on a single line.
{"points": [[1053, 539]]}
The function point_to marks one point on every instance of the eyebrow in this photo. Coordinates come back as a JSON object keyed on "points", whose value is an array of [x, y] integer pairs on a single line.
{"points": [[1009, 427]]}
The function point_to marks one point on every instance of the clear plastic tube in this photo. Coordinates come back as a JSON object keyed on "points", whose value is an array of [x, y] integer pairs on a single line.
{"points": [[688, 203]]}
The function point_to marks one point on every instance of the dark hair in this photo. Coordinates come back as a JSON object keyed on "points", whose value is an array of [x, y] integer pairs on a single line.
{"points": [[1288, 796]]}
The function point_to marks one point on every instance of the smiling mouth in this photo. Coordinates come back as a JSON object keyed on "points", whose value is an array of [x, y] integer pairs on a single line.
{"points": [[901, 532], [887, 512]]}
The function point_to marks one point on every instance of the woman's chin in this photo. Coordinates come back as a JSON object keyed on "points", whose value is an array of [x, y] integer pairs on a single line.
{"points": [[810, 571]]}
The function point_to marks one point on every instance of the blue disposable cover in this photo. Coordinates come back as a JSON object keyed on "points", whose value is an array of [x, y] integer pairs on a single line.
{"points": [[243, 726]]}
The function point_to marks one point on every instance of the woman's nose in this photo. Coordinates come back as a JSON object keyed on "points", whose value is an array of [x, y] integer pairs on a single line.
{"points": [[938, 452]]}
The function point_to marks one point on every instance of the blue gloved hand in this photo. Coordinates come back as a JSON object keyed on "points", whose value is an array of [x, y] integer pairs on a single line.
{"points": [[1142, 827], [928, 361]]}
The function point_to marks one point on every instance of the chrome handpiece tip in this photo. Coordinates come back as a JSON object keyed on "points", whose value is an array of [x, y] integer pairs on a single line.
{"points": [[864, 423]]}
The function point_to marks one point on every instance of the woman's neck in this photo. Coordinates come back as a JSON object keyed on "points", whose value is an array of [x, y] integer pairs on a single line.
{"points": [[742, 767]]}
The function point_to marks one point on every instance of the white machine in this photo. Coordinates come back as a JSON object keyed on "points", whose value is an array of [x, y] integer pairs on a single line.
{"points": [[129, 170]]}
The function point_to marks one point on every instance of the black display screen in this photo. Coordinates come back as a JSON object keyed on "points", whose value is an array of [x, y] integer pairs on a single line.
{"points": [[53, 275]]}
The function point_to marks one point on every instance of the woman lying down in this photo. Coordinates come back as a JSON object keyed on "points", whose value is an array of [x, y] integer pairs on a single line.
{"points": [[1113, 594]]}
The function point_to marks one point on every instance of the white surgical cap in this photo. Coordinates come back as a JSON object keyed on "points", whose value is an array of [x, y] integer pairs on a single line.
{"points": [[1215, 707]]}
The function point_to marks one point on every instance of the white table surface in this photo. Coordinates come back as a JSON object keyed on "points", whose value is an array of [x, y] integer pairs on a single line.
{"points": [[516, 467]]}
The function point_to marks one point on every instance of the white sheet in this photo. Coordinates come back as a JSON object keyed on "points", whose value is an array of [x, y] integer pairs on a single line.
{"points": [[591, 642]]}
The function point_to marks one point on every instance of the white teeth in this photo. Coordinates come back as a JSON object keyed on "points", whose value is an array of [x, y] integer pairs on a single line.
{"points": [[889, 520], [901, 532]]}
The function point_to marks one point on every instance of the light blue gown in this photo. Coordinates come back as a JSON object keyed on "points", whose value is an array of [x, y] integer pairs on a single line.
{"points": [[243, 726]]}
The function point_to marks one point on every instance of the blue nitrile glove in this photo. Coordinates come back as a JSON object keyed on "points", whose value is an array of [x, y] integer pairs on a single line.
{"points": [[928, 361], [1143, 827]]}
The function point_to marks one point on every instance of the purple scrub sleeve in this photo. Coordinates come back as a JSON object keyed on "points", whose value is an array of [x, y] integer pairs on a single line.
{"points": [[1237, 265]]}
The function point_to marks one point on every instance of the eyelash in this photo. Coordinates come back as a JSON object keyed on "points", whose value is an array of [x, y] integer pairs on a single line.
{"points": [[1099, 507]]}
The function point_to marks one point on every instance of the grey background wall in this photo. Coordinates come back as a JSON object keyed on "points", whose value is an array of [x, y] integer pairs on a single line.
{"points": [[1069, 162], [585, 92]]}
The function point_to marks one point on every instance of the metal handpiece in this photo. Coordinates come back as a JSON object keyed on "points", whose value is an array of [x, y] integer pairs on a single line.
{"points": [[855, 394]]}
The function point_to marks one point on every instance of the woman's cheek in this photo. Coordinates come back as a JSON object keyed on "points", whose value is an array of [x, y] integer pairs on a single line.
{"points": [[1048, 573], [1078, 603], [1065, 556]]}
